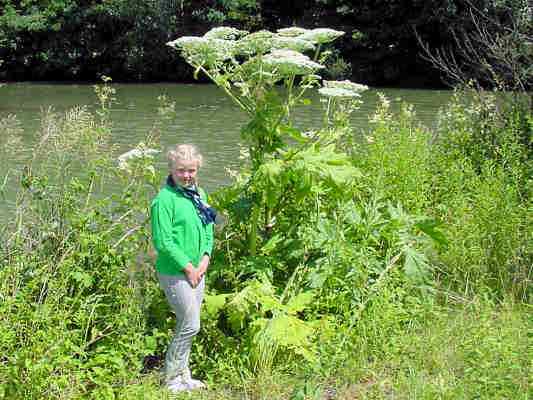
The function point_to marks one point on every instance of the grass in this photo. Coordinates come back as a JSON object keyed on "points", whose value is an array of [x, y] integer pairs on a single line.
{"points": [[472, 350]]}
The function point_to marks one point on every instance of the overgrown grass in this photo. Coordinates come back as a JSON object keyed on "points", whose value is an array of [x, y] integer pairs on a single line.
{"points": [[471, 350], [477, 184], [412, 280], [476, 349]]}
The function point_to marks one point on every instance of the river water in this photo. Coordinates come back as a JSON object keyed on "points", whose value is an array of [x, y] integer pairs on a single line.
{"points": [[203, 115]]}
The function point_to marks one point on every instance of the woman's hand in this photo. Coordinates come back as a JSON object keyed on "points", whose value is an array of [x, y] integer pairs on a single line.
{"points": [[192, 274], [202, 267]]}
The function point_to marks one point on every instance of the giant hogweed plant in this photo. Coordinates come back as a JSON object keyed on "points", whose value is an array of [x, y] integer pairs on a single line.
{"points": [[294, 182], [250, 68]]}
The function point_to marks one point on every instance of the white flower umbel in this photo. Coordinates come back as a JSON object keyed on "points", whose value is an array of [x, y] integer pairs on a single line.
{"points": [[134, 154], [259, 42], [321, 35], [225, 32], [202, 50], [337, 92], [292, 31], [225, 49], [289, 62], [347, 85], [292, 43], [186, 42]]}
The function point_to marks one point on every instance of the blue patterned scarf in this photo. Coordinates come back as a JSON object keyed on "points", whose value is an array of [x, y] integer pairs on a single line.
{"points": [[206, 213]]}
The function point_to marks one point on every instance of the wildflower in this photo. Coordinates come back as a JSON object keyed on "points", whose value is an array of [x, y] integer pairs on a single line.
{"points": [[187, 42], [134, 154], [321, 35], [288, 62], [259, 42], [225, 32], [342, 89], [202, 50], [292, 43], [347, 85], [337, 92], [292, 31]]}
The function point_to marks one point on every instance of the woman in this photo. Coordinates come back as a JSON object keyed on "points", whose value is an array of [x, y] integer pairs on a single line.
{"points": [[182, 233]]}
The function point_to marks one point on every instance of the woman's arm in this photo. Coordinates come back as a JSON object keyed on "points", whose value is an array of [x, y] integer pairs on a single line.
{"points": [[161, 219], [204, 264]]}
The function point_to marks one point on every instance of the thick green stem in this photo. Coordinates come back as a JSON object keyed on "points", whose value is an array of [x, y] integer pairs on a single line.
{"points": [[317, 52], [252, 233], [328, 110], [228, 92], [289, 95]]}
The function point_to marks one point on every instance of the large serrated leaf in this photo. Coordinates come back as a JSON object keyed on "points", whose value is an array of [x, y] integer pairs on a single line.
{"points": [[214, 303], [430, 228], [299, 302]]}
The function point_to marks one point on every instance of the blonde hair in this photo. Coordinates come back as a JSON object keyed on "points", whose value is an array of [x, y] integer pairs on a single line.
{"points": [[183, 152]]}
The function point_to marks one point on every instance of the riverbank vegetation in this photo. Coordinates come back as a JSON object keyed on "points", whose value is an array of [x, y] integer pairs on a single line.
{"points": [[72, 40], [393, 262]]}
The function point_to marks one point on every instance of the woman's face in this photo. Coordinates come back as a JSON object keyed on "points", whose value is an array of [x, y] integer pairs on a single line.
{"points": [[184, 173]]}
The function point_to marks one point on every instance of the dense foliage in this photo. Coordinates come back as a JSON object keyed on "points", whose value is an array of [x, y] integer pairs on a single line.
{"points": [[78, 40], [390, 262]]}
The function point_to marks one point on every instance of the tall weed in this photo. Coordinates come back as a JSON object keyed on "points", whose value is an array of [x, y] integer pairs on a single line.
{"points": [[484, 197], [75, 278], [472, 176]]}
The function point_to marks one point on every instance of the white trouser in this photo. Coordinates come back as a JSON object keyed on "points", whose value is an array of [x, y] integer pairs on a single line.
{"points": [[185, 302]]}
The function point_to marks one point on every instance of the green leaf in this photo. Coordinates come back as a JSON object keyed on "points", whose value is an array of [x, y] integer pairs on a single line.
{"points": [[289, 332], [415, 265], [214, 303], [83, 278], [429, 227], [293, 133], [299, 302], [272, 170], [272, 243]]}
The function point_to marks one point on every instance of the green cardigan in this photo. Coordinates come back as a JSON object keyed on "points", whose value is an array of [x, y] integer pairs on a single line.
{"points": [[177, 232]]}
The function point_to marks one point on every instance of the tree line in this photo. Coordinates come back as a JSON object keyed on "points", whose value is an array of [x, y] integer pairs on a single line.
{"points": [[84, 39]]}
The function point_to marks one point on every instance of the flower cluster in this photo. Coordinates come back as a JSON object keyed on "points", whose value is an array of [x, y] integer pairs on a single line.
{"points": [[343, 89], [347, 85], [204, 51], [292, 31], [258, 55], [290, 62], [292, 43], [135, 154], [315, 36], [225, 43], [321, 35], [259, 42], [225, 32]]}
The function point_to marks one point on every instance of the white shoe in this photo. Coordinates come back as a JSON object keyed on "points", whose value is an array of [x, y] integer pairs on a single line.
{"points": [[176, 387], [195, 383], [185, 384]]}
